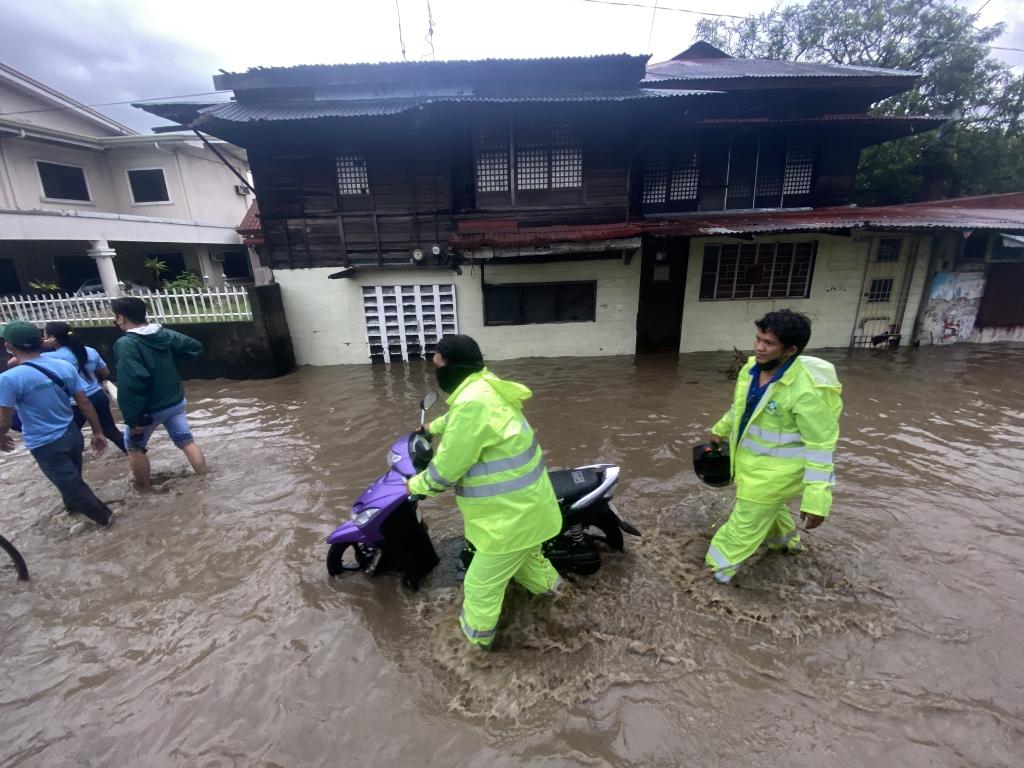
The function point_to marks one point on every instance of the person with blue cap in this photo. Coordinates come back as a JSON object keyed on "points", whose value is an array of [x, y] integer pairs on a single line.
{"points": [[40, 389]]}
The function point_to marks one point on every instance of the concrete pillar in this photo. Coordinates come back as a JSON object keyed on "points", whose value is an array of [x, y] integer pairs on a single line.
{"points": [[103, 255]]}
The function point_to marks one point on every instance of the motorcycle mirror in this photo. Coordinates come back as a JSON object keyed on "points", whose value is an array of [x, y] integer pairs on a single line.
{"points": [[428, 400]]}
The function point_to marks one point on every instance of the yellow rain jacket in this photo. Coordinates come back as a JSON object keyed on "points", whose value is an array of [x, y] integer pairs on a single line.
{"points": [[786, 448], [490, 454]]}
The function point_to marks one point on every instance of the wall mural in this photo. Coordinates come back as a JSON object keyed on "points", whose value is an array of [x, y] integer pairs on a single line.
{"points": [[953, 303]]}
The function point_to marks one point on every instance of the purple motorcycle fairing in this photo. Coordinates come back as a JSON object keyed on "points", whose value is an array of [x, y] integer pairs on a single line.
{"points": [[386, 493]]}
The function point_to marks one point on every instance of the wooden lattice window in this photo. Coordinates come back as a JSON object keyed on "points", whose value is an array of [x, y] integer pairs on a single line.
{"points": [[352, 176], [547, 155], [757, 271], [492, 159], [671, 179], [799, 168]]}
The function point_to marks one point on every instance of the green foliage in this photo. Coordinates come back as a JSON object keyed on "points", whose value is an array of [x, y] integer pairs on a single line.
{"points": [[156, 266], [44, 286], [186, 281], [979, 151]]}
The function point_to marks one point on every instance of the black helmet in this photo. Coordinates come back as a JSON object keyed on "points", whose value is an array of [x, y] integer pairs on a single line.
{"points": [[711, 463]]}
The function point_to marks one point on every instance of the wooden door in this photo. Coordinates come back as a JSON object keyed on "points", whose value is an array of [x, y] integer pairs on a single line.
{"points": [[662, 283]]}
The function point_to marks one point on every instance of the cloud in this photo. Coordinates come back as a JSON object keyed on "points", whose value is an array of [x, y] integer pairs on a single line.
{"points": [[99, 55]]}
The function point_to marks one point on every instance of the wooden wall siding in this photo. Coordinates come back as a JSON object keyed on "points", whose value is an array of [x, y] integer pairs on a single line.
{"points": [[421, 184]]}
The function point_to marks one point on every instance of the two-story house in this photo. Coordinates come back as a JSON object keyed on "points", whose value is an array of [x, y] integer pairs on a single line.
{"points": [[571, 206], [85, 200]]}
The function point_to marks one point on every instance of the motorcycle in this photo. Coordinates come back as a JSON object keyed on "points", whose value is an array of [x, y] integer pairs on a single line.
{"points": [[386, 531]]}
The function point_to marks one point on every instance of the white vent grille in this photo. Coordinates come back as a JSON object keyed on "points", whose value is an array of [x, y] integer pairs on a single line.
{"points": [[404, 322]]}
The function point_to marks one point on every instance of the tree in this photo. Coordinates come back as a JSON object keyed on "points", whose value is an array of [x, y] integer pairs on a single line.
{"points": [[979, 151]]}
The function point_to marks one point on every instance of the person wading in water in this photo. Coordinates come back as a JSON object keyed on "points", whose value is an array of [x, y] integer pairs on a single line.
{"points": [[490, 455], [782, 428]]}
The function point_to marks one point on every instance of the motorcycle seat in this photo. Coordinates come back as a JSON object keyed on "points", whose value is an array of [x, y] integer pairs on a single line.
{"points": [[571, 485]]}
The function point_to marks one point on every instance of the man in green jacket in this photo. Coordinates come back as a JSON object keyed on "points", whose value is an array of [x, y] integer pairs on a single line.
{"points": [[490, 455], [782, 429], [149, 391]]}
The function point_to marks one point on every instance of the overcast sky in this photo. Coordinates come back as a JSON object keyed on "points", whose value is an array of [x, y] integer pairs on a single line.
{"points": [[100, 51]]}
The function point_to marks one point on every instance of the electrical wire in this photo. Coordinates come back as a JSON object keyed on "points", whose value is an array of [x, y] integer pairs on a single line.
{"points": [[656, 6], [430, 30], [401, 42], [111, 103]]}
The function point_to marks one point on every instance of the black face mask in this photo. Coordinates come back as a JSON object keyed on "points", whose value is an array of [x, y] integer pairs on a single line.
{"points": [[450, 376]]}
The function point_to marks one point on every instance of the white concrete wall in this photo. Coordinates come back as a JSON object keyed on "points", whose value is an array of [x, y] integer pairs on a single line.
{"points": [[831, 306], [23, 106], [200, 188], [327, 325]]}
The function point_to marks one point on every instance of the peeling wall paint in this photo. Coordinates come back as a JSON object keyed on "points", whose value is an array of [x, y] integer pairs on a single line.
{"points": [[953, 303]]}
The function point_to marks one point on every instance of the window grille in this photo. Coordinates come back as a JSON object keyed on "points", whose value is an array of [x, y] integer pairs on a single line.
{"points": [[769, 184], [655, 180], [404, 322], [888, 249], [492, 159], [880, 290], [757, 271], [799, 169], [547, 155], [352, 177], [671, 179]]}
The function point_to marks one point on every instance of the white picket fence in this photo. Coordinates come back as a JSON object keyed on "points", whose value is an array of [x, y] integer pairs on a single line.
{"points": [[204, 305]]}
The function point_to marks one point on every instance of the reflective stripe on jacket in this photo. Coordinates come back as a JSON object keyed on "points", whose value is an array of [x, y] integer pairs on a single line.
{"points": [[489, 454], [787, 447]]}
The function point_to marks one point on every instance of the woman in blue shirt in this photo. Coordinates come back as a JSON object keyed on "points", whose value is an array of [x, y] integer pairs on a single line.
{"points": [[60, 341]]}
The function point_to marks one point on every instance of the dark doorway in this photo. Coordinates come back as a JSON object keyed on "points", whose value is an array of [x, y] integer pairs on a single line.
{"points": [[72, 271], [175, 263], [9, 282], [1001, 306], [662, 283]]}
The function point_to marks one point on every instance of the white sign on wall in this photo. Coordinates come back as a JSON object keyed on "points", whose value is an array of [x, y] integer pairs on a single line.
{"points": [[404, 322]]}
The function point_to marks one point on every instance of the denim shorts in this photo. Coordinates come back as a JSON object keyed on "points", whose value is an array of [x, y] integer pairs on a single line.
{"points": [[173, 420]]}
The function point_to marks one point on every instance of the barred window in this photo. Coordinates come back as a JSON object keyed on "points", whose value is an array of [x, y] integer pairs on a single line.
{"points": [[671, 178], [799, 168], [880, 290], [492, 159], [757, 271], [352, 177], [888, 249]]}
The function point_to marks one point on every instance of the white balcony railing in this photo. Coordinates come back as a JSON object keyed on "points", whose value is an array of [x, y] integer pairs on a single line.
{"points": [[203, 305]]}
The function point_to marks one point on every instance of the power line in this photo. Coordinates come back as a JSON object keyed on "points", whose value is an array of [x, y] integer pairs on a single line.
{"points": [[656, 6], [663, 8], [401, 42], [112, 103], [654, 15]]}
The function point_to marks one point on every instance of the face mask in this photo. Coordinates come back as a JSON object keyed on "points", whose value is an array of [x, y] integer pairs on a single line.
{"points": [[450, 376]]}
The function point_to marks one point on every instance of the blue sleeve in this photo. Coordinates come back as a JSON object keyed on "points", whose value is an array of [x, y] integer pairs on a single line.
{"points": [[94, 356], [8, 391]]}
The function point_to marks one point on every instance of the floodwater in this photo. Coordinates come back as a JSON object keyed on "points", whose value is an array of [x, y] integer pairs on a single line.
{"points": [[201, 628]]}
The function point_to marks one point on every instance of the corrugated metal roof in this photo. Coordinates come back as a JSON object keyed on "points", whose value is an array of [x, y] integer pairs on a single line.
{"points": [[237, 112], [729, 68], [942, 214], [598, 68]]}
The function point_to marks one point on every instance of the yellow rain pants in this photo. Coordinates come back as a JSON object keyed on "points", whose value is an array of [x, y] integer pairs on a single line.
{"points": [[749, 526], [484, 588]]}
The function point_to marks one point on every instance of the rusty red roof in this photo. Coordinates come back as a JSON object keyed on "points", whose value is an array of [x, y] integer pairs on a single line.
{"points": [[250, 228], [1000, 213]]}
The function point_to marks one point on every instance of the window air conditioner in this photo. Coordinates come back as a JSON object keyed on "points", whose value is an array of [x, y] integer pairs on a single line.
{"points": [[241, 189]]}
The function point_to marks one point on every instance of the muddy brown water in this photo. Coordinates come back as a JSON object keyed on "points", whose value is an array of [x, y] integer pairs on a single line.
{"points": [[201, 629]]}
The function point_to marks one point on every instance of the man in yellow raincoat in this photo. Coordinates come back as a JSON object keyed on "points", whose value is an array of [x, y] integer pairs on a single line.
{"points": [[490, 455], [782, 429]]}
